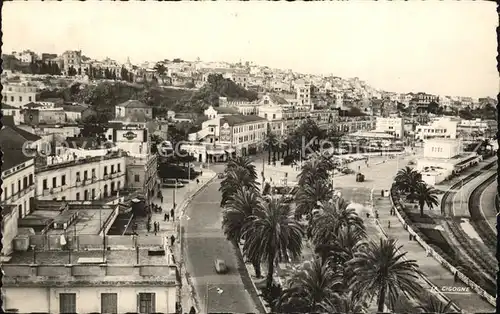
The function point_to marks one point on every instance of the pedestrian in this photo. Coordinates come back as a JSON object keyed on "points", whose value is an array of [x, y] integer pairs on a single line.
{"points": [[172, 240], [156, 228], [148, 226], [389, 225], [172, 213], [168, 217], [197, 181], [165, 217], [161, 199]]}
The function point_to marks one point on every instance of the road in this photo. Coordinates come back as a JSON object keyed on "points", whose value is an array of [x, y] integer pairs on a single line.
{"points": [[205, 241], [488, 204]]}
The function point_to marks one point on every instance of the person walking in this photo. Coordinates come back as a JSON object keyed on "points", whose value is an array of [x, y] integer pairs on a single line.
{"points": [[168, 216], [161, 199], [165, 217], [156, 227], [198, 181], [172, 240], [172, 213]]}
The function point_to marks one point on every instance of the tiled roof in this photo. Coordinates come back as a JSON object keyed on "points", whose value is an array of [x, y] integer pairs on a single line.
{"points": [[240, 119], [278, 100], [32, 105], [133, 104], [11, 144], [5, 106]]}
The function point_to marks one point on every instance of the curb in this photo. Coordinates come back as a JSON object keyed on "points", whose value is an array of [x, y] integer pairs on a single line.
{"points": [[181, 265], [435, 289]]}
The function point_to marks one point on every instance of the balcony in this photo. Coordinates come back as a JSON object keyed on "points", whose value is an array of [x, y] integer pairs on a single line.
{"points": [[46, 192], [78, 182], [106, 177]]}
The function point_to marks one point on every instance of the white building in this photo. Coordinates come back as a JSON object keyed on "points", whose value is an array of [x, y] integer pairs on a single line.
{"points": [[443, 127], [18, 95], [133, 107], [303, 92], [390, 125], [71, 177], [441, 148], [445, 101], [14, 112]]}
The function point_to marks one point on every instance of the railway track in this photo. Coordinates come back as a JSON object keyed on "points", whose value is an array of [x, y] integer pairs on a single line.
{"points": [[485, 264], [478, 220]]}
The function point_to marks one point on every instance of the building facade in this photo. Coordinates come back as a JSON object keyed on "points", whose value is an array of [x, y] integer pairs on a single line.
{"points": [[441, 128], [18, 95], [14, 112], [390, 125], [18, 184], [72, 58], [51, 116], [133, 107]]}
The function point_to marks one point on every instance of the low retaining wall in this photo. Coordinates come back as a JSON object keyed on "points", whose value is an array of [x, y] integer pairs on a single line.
{"points": [[396, 204], [435, 289]]}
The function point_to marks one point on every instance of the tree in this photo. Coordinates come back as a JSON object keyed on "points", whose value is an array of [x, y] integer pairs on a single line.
{"points": [[242, 162], [79, 71], [431, 304], [426, 196], [93, 126], [313, 284], [310, 195], [407, 179], [272, 234], [380, 269], [161, 70], [234, 180], [124, 74], [270, 143], [236, 213]]}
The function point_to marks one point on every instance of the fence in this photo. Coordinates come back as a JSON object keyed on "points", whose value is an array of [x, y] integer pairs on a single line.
{"points": [[398, 207], [82, 242], [59, 270]]}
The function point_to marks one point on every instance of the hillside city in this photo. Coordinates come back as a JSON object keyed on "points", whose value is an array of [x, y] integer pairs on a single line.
{"points": [[180, 186]]}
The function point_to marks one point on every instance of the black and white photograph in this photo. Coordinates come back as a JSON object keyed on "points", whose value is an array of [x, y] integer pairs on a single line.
{"points": [[249, 157]]}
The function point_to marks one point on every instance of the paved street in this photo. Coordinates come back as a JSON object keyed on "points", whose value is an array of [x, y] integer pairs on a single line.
{"points": [[205, 241], [488, 204]]}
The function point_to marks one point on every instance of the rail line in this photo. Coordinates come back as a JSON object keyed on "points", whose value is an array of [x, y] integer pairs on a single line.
{"points": [[485, 264], [478, 220]]}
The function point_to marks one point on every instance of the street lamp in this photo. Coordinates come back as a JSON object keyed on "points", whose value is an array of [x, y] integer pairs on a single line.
{"points": [[219, 291]]}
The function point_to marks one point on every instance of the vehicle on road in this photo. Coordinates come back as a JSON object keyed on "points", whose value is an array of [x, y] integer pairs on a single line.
{"points": [[220, 175], [171, 183], [220, 266]]}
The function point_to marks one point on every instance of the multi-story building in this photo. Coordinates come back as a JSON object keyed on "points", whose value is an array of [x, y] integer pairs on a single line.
{"points": [[390, 125], [142, 174], [243, 107], [424, 98], [303, 92], [25, 56], [18, 169], [445, 102], [133, 107], [14, 112], [18, 95], [43, 115], [443, 127], [72, 177], [70, 265], [72, 58]]}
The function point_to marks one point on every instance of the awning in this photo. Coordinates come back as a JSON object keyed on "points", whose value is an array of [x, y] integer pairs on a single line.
{"points": [[215, 152], [230, 150]]}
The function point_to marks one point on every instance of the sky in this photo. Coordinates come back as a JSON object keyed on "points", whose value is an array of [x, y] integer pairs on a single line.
{"points": [[444, 48]]}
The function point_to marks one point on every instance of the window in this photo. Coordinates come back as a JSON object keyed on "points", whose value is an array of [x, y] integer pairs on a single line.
{"points": [[274, 116], [63, 179], [146, 303], [93, 193], [137, 178], [112, 168], [29, 98], [63, 198], [78, 196], [78, 176], [18, 185], [105, 170], [54, 182], [25, 182], [93, 173], [31, 179], [5, 196], [11, 98], [109, 303], [118, 166], [67, 303], [20, 98], [12, 189]]}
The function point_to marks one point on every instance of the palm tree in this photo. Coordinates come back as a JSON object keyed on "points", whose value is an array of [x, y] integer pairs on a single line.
{"points": [[312, 171], [242, 162], [379, 269], [314, 283], [234, 180], [270, 143], [309, 195], [343, 303], [425, 195], [407, 179], [272, 234], [235, 215], [430, 304], [161, 69]]}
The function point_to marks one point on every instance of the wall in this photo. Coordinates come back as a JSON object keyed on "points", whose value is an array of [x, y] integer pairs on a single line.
{"points": [[12, 194], [72, 186], [441, 149], [9, 231], [88, 299], [18, 96]]}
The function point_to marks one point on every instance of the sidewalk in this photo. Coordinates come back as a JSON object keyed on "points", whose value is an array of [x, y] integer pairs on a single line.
{"points": [[169, 228], [433, 270]]}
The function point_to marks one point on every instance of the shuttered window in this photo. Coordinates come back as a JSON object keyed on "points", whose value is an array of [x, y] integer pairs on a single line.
{"points": [[67, 303], [146, 303], [109, 303]]}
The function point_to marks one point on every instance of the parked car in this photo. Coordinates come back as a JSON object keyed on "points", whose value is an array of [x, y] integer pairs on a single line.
{"points": [[220, 266], [171, 183], [221, 175]]}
